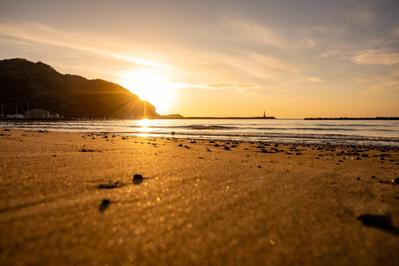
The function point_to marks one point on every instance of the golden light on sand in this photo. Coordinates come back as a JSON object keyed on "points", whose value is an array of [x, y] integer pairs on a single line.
{"points": [[151, 86]]}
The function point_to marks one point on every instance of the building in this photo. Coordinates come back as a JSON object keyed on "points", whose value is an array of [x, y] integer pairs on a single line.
{"points": [[40, 114]]}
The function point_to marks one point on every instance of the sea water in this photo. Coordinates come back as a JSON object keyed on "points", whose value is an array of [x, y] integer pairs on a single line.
{"points": [[352, 132]]}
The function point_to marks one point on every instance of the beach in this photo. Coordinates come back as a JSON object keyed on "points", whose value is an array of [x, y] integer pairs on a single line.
{"points": [[71, 199]]}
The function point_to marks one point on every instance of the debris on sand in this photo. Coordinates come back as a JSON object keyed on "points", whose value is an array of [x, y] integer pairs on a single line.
{"points": [[395, 181], [104, 205], [86, 150], [110, 185], [137, 179], [383, 222]]}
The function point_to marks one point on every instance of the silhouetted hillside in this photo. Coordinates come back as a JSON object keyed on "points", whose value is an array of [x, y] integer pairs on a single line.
{"points": [[22, 81]]}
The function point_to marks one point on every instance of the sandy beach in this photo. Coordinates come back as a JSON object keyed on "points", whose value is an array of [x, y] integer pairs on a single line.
{"points": [[70, 199]]}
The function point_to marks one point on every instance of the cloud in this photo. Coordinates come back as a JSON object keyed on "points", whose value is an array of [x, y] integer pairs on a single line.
{"points": [[43, 34], [376, 57], [383, 88], [307, 43], [335, 53], [247, 30], [313, 79], [395, 32]]}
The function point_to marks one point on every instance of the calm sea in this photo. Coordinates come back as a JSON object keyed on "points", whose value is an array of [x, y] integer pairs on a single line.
{"points": [[368, 132]]}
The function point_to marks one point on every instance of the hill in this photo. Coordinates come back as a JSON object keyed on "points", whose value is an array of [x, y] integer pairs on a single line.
{"points": [[40, 85]]}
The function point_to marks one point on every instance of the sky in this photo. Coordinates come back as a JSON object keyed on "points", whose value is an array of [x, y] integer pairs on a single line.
{"points": [[298, 58]]}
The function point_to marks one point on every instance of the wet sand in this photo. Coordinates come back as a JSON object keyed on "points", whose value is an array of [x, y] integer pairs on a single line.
{"points": [[71, 199]]}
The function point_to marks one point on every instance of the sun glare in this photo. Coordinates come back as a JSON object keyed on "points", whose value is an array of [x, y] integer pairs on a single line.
{"points": [[144, 123], [151, 86]]}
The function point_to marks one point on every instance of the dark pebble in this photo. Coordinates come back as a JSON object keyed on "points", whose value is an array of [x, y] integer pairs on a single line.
{"points": [[395, 181], [109, 185], [378, 221], [86, 150], [226, 148], [137, 179], [104, 205]]}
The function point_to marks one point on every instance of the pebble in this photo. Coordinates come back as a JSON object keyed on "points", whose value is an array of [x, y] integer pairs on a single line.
{"points": [[395, 181], [378, 221], [137, 179], [109, 185], [104, 205]]}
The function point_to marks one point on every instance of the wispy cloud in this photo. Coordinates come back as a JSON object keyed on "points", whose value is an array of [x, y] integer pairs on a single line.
{"points": [[376, 57], [39, 33], [246, 30], [313, 79]]}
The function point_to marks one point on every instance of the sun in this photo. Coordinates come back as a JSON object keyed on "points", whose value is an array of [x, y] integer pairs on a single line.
{"points": [[151, 86]]}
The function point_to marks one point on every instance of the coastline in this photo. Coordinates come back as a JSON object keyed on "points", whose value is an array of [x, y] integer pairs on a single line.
{"points": [[200, 202]]}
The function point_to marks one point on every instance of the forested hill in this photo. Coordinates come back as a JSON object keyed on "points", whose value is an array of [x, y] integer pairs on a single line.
{"points": [[40, 85]]}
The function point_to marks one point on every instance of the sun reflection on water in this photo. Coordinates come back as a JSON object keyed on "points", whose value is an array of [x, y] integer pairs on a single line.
{"points": [[144, 125]]}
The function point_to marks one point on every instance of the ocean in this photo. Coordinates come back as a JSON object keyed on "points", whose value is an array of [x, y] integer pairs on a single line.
{"points": [[348, 132]]}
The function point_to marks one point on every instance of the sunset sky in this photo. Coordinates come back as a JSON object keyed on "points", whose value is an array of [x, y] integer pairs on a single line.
{"points": [[221, 58]]}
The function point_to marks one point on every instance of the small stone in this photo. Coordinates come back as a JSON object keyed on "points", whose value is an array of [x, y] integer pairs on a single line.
{"points": [[378, 221], [109, 185], [86, 150], [137, 179], [226, 148], [104, 205], [395, 181]]}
